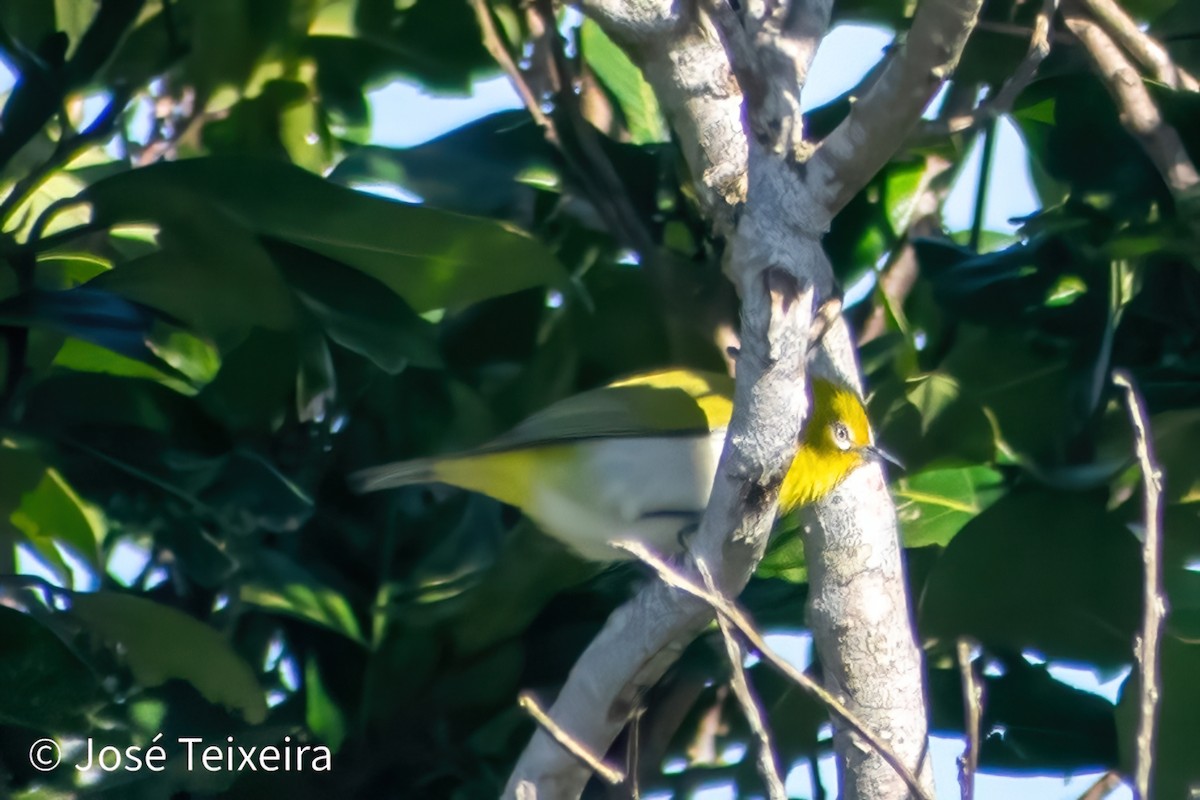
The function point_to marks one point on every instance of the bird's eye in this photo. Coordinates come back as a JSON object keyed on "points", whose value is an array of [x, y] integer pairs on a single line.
{"points": [[841, 435]]}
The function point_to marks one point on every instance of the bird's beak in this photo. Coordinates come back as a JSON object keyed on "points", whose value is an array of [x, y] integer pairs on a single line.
{"points": [[879, 454]]}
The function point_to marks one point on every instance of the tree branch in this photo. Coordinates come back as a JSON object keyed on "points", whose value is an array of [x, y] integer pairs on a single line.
{"points": [[1142, 46], [968, 762], [740, 683], [1002, 101], [571, 744], [1136, 107], [680, 52], [884, 116], [1154, 604], [729, 612], [645, 636]]}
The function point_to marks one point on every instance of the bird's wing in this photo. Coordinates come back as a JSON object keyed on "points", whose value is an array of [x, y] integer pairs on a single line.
{"points": [[665, 403]]}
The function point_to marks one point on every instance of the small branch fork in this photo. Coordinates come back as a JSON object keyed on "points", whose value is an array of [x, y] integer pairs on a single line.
{"points": [[1138, 111], [732, 616], [1154, 604], [1145, 48], [767, 767], [1002, 102]]}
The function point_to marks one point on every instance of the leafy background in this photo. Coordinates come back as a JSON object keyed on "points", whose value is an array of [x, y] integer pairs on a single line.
{"points": [[206, 327]]}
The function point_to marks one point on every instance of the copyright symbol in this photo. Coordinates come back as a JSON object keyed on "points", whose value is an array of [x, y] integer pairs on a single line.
{"points": [[44, 755]]}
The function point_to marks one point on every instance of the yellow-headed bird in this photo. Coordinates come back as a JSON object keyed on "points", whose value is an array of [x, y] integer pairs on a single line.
{"points": [[636, 459]]}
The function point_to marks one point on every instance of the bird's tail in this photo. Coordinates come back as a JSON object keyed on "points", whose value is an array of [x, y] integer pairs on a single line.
{"points": [[398, 473]]}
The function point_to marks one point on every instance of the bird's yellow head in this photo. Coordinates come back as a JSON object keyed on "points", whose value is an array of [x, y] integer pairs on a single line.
{"points": [[837, 439]]}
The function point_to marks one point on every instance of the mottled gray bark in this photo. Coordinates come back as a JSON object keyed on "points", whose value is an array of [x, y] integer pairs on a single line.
{"points": [[730, 87]]}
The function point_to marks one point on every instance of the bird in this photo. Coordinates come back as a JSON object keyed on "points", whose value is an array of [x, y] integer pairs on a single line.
{"points": [[636, 460]]}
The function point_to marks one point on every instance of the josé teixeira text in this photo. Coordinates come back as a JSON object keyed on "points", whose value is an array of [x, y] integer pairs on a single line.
{"points": [[197, 754]]}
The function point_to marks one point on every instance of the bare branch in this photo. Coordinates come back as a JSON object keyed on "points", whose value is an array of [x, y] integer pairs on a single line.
{"points": [[884, 116], [1148, 51], [734, 615], [1136, 107], [767, 767], [968, 762], [572, 745], [1002, 101], [1102, 788], [1154, 604], [494, 43]]}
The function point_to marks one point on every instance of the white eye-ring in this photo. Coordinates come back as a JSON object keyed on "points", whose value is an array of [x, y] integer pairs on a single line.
{"points": [[841, 435]]}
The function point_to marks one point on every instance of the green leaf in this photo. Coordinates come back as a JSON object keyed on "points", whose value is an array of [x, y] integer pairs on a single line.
{"points": [[282, 120], [252, 494], [316, 384], [934, 505], [929, 421], [1026, 389], [56, 686], [160, 643], [53, 512], [102, 318], [492, 167], [256, 382], [23, 470], [1048, 726], [1181, 579], [1176, 439], [211, 273], [82, 356], [322, 713], [1049, 571], [279, 584], [73, 19], [903, 184], [357, 311], [433, 259], [623, 78]]}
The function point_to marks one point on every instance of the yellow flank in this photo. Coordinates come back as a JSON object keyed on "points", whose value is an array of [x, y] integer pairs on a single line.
{"points": [[594, 487], [510, 476]]}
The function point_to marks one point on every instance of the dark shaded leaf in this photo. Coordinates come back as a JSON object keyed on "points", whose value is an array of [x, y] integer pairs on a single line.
{"points": [[1042, 570], [431, 258], [160, 643], [56, 686]]}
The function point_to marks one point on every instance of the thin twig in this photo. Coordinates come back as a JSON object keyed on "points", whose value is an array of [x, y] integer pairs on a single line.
{"points": [[572, 745], [496, 47], [1148, 51], [1003, 100], [981, 188], [725, 608], [753, 712], [968, 762], [1154, 606], [1102, 788], [1138, 112], [595, 169]]}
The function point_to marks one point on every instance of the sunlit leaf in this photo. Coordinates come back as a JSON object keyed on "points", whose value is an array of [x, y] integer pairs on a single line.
{"points": [[622, 77]]}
